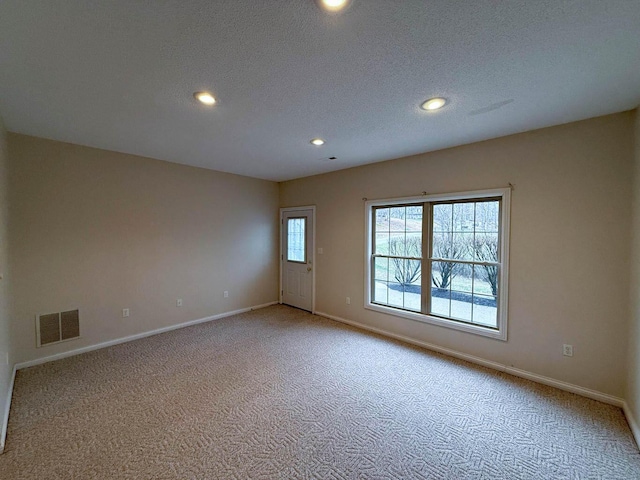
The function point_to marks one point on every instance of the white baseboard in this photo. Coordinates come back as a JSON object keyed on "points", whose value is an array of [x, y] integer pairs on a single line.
{"points": [[569, 387], [635, 429], [130, 338], [7, 408]]}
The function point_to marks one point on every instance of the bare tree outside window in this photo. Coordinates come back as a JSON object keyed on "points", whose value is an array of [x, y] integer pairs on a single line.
{"points": [[406, 271], [452, 249], [486, 250], [446, 246]]}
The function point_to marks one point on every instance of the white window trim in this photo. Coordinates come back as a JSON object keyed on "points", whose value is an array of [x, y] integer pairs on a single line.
{"points": [[501, 332]]}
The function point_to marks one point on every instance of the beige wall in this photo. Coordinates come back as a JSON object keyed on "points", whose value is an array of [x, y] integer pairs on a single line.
{"points": [[633, 387], [103, 231], [6, 368], [571, 209]]}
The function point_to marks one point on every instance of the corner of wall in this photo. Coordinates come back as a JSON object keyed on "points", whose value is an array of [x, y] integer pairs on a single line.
{"points": [[7, 371], [632, 394]]}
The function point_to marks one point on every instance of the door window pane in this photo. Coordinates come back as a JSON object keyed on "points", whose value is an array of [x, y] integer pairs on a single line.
{"points": [[296, 240]]}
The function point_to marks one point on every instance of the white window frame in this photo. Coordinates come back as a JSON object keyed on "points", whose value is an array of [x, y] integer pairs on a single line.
{"points": [[503, 287]]}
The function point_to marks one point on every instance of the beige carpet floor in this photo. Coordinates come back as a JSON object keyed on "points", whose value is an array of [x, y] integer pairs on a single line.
{"points": [[279, 393]]}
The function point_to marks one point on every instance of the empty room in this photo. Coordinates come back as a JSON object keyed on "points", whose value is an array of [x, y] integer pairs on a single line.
{"points": [[328, 239]]}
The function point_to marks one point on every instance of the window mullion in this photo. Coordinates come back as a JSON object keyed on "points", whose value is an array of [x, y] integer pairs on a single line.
{"points": [[425, 283]]}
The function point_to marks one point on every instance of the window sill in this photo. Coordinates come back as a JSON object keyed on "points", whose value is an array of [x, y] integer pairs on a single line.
{"points": [[500, 334]]}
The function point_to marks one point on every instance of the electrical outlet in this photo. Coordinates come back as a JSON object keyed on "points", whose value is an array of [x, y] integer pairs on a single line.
{"points": [[179, 302], [320, 250], [567, 350], [348, 300], [226, 294], [125, 312]]}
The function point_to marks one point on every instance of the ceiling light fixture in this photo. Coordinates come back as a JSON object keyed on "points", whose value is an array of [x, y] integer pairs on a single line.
{"points": [[434, 103], [205, 97], [333, 5], [317, 142]]}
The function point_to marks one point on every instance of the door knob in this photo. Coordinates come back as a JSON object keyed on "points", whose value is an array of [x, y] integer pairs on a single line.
{"points": [[308, 269]]}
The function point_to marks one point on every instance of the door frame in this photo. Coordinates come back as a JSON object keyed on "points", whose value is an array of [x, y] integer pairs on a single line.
{"points": [[313, 252]]}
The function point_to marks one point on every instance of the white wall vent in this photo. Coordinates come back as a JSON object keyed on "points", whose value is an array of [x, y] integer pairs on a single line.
{"points": [[57, 327]]}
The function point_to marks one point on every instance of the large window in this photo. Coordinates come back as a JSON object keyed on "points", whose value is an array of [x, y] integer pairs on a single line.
{"points": [[441, 259]]}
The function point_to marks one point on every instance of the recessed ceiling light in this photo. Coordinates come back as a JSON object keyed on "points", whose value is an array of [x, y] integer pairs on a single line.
{"points": [[317, 142], [334, 5], [205, 97], [434, 103]]}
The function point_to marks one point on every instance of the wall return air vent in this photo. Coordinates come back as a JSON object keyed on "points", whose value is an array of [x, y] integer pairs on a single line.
{"points": [[57, 327]]}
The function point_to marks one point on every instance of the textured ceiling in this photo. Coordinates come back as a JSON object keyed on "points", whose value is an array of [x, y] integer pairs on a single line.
{"points": [[120, 75]]}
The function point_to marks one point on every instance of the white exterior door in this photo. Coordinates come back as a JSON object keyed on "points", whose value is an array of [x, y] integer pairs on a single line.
{"points": [[296, 268]]}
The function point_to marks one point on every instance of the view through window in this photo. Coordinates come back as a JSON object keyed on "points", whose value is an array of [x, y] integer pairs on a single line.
{"points": [[296, 245], [440, 258]]}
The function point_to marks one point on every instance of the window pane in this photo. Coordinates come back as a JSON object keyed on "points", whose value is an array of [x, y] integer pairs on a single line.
{"points": [[487, 216], [381, 269], [412, 289], [296, 239], [396, 270], [463, 281], [405, 245], [382, 220], [382, 243], [461, 306], [407, 272], [462, 247], [485, 310], [396, 295], [380, 292], [486, 247], [397, 219], [442, 217], [399, 231], [414, 244], [440, 301], [397, 282], [440, 288], [485, 279], [443, 272], [442, 245], [397, 244], [414, 218], [396, 290], [463, 217]]}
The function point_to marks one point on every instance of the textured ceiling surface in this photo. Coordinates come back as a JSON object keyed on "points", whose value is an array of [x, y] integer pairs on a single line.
{"points": [[120, 75]]}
